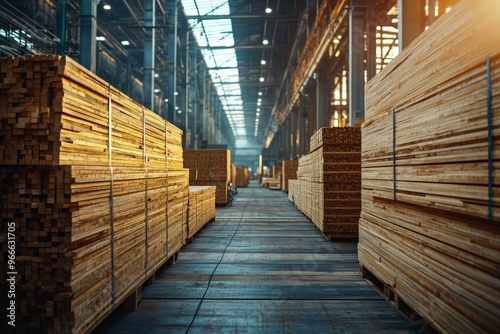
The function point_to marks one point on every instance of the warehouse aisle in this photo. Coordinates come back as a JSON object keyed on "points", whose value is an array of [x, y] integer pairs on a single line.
{"points": [[261, 267]]}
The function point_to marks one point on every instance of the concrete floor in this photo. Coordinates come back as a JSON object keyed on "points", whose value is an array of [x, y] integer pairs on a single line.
{"points": [[261, 267]]}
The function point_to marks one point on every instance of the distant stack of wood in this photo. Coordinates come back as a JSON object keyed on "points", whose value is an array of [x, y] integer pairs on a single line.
{"points": [[289, 172], [201, 208], [240, 176], [210, 167], [90, 178], [277, 169], [271, 183], [328, 185], [425, 229]]}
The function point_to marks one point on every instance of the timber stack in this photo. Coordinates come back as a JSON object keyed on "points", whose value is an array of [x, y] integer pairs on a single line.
{"points": [[201, 208], [240, 176], [95, 185], [429, 227], [328, 185], [210, 167], [289, 171]]}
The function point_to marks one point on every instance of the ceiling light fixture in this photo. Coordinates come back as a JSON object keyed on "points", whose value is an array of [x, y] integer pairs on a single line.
{"points": [[106, 7], [100, 38], [260, 93], [265, 42], [263, 62], [261, 79], [156, 75], [269, 10], [125, 43]]}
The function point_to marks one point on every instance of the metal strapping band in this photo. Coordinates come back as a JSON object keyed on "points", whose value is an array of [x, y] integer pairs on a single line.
{"points": [[490, 139], [394, 151]]}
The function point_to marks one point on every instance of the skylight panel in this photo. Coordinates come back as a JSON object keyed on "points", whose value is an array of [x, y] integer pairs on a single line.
{"points": [[222, 62]]}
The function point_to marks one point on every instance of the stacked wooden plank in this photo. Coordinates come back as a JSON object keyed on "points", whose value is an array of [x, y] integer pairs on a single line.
{"points": [[429, 223], [271, 183], [201, 208], [289, 172], [240, 176], [210, 167], [90, 184], [277, 169], [328, 185]]}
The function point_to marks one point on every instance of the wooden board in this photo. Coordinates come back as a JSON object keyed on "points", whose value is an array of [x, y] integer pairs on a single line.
{"points": [[430, 205]]}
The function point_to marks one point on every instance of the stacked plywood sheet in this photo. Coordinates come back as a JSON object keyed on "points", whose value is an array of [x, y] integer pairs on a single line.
{"points": [[90, 178], [210, 167], [429, 227], [289, 172], [240, 176], [328, 185], [201, 208]]}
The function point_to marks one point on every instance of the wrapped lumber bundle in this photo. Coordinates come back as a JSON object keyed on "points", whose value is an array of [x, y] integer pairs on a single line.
{"points": [[328, 185], [201, 208], [210, 167], [85, 178], [289, 171], [430, 203]]}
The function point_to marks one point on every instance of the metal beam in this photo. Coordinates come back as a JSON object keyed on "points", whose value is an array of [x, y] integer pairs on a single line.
{"points": [[248, 47], [149, 54], [240, 17]]}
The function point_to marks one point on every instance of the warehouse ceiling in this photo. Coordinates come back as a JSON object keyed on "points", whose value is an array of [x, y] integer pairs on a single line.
{"points": [[246, 45]]}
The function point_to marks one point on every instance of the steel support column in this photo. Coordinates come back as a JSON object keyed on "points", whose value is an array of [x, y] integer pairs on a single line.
{"points": [[321, 96], [357, 23], [149, 55], [88, 32], [411, 21], [172, 60]]}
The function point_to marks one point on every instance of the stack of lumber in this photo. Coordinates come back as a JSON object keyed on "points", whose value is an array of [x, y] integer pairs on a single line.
{"points": [[276, 170], [429, 227], [240, 176], [271, 183], [90, 184], [328, 185], [210, 167], [289, 172], [201, 208]]}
